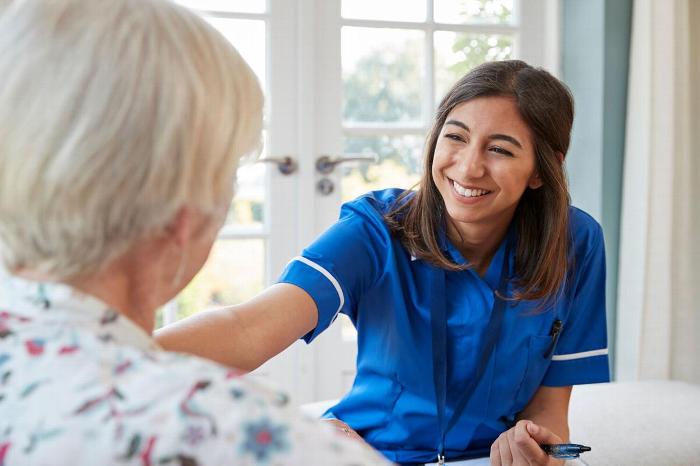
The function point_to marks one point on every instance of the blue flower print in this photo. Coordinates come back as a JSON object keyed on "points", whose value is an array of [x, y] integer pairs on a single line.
{"points": [[263, 439]]}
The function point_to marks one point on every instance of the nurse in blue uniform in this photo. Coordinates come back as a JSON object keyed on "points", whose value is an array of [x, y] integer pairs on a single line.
{"points": [[479, 298]]}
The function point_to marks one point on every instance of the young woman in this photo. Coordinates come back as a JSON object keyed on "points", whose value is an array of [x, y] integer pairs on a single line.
{"points": [[478, 299]]}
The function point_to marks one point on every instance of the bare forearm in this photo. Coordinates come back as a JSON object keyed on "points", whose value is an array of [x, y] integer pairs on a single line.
{"points": [[213, 334], [557, 424], [246, 335], [550, 408]]}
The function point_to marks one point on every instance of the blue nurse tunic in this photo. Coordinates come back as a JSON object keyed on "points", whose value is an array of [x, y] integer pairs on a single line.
{"points": [[356, 267]]}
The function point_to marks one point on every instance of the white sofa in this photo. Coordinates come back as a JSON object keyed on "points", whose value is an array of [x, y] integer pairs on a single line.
{"points": [[651, 423], [654, 423]]}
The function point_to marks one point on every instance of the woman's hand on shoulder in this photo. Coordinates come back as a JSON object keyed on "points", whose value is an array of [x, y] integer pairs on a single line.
{"points": [[344, 429], [248, 334], [520, 446]]}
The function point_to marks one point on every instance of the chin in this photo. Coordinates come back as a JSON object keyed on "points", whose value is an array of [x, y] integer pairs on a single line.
{"points": [[462, 213], [474, 216], [465, 218]]}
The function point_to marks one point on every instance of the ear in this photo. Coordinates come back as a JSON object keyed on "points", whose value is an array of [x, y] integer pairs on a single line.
{"points": [[560, 157], [179, 229], [535, 181]]}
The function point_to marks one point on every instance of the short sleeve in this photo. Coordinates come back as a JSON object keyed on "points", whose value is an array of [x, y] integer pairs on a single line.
{"points": [[342, 263], [581, 354]]}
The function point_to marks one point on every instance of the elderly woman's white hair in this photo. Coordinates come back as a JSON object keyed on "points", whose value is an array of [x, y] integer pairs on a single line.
{"points": [[113, 116]]}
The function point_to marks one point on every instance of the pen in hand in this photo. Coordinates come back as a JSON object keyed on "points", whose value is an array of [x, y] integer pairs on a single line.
{"points": [[564, 450]]}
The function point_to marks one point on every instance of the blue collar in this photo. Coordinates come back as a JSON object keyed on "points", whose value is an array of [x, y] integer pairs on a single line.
{"points": [[493, 274]]}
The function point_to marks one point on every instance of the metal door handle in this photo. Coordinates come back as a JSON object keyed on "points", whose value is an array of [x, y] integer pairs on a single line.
{"points": [[286, 164], [325, 164]]}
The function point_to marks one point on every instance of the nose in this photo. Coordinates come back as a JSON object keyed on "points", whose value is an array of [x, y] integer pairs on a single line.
{"points": [[471, 161]]}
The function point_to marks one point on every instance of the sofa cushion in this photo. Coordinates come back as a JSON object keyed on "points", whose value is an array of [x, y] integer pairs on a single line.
{"points": [[637, 423]]}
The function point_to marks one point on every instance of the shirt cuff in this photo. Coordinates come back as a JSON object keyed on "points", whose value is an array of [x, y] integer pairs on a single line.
{"points": [[321, 286], [578, 371]]}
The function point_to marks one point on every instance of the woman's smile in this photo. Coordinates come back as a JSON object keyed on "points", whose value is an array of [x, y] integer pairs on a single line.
{"points": [[469, 194]]}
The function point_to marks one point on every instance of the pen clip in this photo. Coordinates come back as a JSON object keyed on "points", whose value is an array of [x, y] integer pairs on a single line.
{"points": [[554, 332]]}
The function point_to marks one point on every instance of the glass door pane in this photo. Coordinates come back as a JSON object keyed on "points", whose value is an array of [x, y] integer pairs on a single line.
{"points": [[382, 74], [233, 273], [398, 166], [247, 211], [456, 53], [474, 11]]}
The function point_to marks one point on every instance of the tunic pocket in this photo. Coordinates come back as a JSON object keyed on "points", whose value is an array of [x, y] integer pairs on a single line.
{"points": [[537, 365]]}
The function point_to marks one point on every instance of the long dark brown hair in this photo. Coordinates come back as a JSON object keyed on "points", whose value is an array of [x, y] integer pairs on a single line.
{"points": [[541, 218]]}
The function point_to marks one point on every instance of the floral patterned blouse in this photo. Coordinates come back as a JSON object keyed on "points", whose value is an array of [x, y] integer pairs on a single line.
{"points": [[82, 385]]}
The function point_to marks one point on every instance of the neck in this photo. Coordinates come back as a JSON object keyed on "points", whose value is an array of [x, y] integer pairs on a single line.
{"points": [[121, 289], [121, 285], [478, 242]]}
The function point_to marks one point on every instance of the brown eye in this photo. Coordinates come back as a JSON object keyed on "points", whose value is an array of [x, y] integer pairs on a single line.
{"points": [[501, 150], [455, 137]]}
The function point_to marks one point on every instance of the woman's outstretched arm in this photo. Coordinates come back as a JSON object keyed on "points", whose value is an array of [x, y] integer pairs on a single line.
{"points": [[248, 334]]}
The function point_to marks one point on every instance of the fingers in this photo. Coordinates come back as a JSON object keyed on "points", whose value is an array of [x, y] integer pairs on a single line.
{"points": [[528, 438], [542, 434], [504, 450], [344, 429], [518, 458], [495, 456], [337, 423], [502, 453], [520, 446]]}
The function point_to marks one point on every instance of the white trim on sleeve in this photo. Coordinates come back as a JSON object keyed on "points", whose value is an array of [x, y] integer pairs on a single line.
{"points": [[584, 354], [330, 278]]}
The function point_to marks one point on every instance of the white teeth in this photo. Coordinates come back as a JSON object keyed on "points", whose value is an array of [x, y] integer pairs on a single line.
{"points": [[466, 192]]}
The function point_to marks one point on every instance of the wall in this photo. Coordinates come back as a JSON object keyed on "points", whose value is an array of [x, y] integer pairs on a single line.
{"points": [[595, 59]]}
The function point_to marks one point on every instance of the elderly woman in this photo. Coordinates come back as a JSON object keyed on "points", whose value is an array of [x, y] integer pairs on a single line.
{"points": [[122, 123]]}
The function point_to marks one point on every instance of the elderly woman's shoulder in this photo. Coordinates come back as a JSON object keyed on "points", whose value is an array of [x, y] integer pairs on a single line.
{"points": [[254, 421], [184, 372]]}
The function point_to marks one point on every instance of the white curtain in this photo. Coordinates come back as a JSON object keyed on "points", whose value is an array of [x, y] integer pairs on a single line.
{"points": [[658, 324]]}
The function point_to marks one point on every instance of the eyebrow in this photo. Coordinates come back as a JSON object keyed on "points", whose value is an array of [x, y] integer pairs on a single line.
{"points": [[457, 123], [498, 136], [505, 137]]}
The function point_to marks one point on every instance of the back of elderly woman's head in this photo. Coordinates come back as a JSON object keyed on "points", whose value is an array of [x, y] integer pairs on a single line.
{"points": [[114, 114]]}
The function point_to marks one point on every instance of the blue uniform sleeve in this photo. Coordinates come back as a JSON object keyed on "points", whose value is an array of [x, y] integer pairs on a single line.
{"points": [[581, 354], [343, 262]]}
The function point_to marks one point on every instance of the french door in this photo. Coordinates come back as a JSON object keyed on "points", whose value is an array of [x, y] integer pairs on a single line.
{"points": [[351, 86]]}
